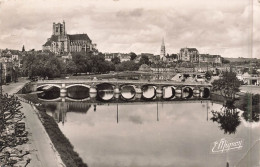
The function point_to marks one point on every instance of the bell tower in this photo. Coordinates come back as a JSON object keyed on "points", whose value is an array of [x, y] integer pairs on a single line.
{"points": [[59, 29]]}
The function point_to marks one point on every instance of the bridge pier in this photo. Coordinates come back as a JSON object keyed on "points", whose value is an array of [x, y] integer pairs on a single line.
{"points": [[178, 92], [138, 92], [34, 87], [116, 90], [116, 95], [138, 89], [92, 91], [159, 91], [196, 91], [63, 92]]}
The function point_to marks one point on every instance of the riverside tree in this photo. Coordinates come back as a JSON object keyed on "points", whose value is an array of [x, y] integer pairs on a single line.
{"points": [[127, 66], [144, 60], [228, 85], [133, 55], [10, 134], [116, 60], [42, 65]]}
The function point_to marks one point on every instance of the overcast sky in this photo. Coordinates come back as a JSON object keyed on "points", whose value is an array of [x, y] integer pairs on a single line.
{"points": [[212, 26]]}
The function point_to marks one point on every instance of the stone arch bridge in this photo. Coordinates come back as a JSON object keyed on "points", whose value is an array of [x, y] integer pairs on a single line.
{"points": [[201, 90]]}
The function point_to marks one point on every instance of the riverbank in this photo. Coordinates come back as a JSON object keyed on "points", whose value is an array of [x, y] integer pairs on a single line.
{"points": [[66, 151], [40, 147]]}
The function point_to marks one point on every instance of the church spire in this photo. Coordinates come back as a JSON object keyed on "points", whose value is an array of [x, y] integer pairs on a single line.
{"points": [[163, 41], [162, 54]]}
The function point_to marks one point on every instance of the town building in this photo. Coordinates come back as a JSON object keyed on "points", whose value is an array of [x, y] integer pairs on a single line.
{"points": [[212, 59], [60, 42], [122, 56], [248, 79], [7, 70], [172, 58], [11, 62], [189, 54], [109, 56]]}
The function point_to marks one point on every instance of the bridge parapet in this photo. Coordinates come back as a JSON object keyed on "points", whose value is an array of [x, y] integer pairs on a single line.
{"points": [[116, 82]]}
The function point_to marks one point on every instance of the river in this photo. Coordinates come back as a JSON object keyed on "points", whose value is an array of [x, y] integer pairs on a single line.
{"points": [[153, 133]]}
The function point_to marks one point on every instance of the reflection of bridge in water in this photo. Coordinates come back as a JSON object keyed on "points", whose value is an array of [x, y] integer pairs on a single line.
{"points": [[58, 110], [121, 90]]}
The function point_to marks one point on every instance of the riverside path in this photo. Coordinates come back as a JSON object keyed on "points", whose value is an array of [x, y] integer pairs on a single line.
{"points": [[42, 151]]}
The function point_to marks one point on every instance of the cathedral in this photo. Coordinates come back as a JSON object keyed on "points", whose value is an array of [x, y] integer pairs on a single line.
{"points": [[61, 42]]}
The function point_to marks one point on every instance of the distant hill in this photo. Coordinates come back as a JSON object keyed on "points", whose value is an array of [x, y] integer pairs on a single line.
{"points": [[241, 59]]}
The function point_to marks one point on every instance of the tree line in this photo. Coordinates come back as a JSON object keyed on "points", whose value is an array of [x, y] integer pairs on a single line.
{"points": [[47, 65]]}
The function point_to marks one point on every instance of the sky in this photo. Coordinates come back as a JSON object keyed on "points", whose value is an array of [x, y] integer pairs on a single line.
{"points": [[229, 28]]}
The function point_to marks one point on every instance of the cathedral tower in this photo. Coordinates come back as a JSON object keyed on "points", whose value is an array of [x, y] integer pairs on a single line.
{"points": [[59, 29], [162, 54]]}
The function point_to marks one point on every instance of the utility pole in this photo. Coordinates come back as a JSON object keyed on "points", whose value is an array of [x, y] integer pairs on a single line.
{"points": [[117, 112], [157, 112]]}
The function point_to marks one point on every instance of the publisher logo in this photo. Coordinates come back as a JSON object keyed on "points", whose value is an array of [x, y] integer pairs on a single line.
{"points": [[226, 144]]}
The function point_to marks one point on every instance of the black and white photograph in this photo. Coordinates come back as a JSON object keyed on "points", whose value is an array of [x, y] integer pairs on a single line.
{"points": [[129, 83]]}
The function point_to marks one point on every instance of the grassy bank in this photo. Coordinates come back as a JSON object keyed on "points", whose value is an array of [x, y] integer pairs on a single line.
{"points": [[69, 157]]}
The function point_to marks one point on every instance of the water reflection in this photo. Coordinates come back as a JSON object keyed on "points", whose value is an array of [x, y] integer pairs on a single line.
{"points": [[228, 117], [58, 110], [131, 134]]}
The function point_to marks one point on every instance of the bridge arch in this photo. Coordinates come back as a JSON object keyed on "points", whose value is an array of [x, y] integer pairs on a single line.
{"points": [[149, 91], [105, 91], [83, 85], [205, 92], [187, 92], [78, 91], [43, 85], [106, 83], [128, 91], [169, 92]]}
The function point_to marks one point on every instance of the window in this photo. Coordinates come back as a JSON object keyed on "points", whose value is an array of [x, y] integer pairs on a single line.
{"points": [[57, 29]]}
